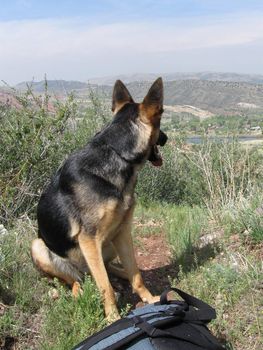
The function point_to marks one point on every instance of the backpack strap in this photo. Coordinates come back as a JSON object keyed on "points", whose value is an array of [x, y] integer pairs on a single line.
{"points": [[205, 312], [128, 326], [104, 333], [136, 321], [185, 333], [141, 326]]}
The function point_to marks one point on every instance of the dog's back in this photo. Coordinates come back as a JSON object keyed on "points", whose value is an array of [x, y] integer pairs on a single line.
{"points": [[102, 171]]}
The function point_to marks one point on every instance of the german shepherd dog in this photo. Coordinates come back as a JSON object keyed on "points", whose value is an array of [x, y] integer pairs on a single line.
{"points": [[85, 213]]}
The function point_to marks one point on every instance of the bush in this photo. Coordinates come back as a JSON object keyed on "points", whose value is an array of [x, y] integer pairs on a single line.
{"points": [[78, 318], [216, 174], [245, 218], [177, 181], [36, 138]]}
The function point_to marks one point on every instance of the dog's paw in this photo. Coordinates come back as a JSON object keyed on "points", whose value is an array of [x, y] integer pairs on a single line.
{"points": [[112, 317], [76, 290], [151, 300], [140, 304]]}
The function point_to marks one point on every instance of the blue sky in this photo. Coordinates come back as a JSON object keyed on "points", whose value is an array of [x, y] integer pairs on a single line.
{"points": [[128, 9], [83, 39]]}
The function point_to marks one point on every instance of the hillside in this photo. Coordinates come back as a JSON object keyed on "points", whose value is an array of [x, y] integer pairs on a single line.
{"points": [[211, 76], [55, 86], [217, 97]]}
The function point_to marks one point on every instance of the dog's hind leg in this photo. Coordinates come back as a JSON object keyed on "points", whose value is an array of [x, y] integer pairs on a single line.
{"points": [[55, 266], [112, 262], [117, 269]]}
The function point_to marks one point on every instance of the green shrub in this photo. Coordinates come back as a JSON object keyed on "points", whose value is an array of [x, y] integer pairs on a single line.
{"points": [[22, 290], [245, 218], [70, 320], [35, 139], [38, 136], [184, 227], [216, 174], [177, 181]]}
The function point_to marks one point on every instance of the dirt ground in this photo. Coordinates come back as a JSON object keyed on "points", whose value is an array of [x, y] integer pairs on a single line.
{"points": [[154, 259]]}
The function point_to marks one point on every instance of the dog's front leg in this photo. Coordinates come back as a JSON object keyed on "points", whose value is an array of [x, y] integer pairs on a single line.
{"points": [[91, 248], [124, 246]]}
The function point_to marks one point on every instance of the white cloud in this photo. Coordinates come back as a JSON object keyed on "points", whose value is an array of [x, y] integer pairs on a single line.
{"points": [[73, 49]]}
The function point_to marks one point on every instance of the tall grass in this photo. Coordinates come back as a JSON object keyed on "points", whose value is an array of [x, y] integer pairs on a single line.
{"points": [[230, 172], [214, 174], [77, 319]]}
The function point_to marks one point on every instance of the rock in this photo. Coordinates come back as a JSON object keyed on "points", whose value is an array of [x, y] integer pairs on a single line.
{"points": [[3, 230], [53, 293]]}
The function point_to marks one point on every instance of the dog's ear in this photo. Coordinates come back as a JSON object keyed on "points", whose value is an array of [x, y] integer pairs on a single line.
{"points": [[152, 104], [120, 96]]}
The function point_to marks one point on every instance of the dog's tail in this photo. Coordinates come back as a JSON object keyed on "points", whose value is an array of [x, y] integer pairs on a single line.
{"points": [[52, 264]]}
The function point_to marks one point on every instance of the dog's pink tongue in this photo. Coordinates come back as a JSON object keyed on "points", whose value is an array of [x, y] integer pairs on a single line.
{"points": [[158, 162]]}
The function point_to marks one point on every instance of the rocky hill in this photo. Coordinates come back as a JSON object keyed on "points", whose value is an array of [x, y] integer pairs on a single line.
{"points": [[211, 76], [218, 97], [212, 96], [55, 86]]}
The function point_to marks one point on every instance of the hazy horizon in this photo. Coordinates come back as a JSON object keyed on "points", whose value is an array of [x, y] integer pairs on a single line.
{"points": [[82, 40], [128, 75]]}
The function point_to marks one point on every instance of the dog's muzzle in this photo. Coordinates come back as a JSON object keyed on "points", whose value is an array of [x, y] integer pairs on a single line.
{"points": [[155, 156]]}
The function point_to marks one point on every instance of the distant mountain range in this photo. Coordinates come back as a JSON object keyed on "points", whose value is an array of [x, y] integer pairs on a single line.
{"points": [[66, 86], [217, 93], [56, 86], [211, 76], [218, 97]]}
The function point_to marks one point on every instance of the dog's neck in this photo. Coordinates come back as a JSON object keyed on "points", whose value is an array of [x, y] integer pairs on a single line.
{"points": [[138, 159]]}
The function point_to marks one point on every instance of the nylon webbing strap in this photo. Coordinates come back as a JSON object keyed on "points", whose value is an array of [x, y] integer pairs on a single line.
{"points": [[186, 324], [185, 334], [205, 313], [104, 333], [140, 332]]}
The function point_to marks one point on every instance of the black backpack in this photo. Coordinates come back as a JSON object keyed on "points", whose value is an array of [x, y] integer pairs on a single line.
{"points": [[165, 325]]}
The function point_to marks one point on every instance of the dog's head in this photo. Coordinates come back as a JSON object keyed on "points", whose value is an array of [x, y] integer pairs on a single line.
{"points": [[146, 116]]}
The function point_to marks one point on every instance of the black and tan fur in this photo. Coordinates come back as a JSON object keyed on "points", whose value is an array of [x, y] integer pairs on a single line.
{"points": [[85, 213]]}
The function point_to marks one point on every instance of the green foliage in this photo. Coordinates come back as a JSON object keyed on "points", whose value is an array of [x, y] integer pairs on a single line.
{"points": [[21, 288], [184, 226], [218, 124], [177, 181], [245, 218], [229, 285], [35, 139], [68, 321], [213, 173], [38, 136], [215, 180]]}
